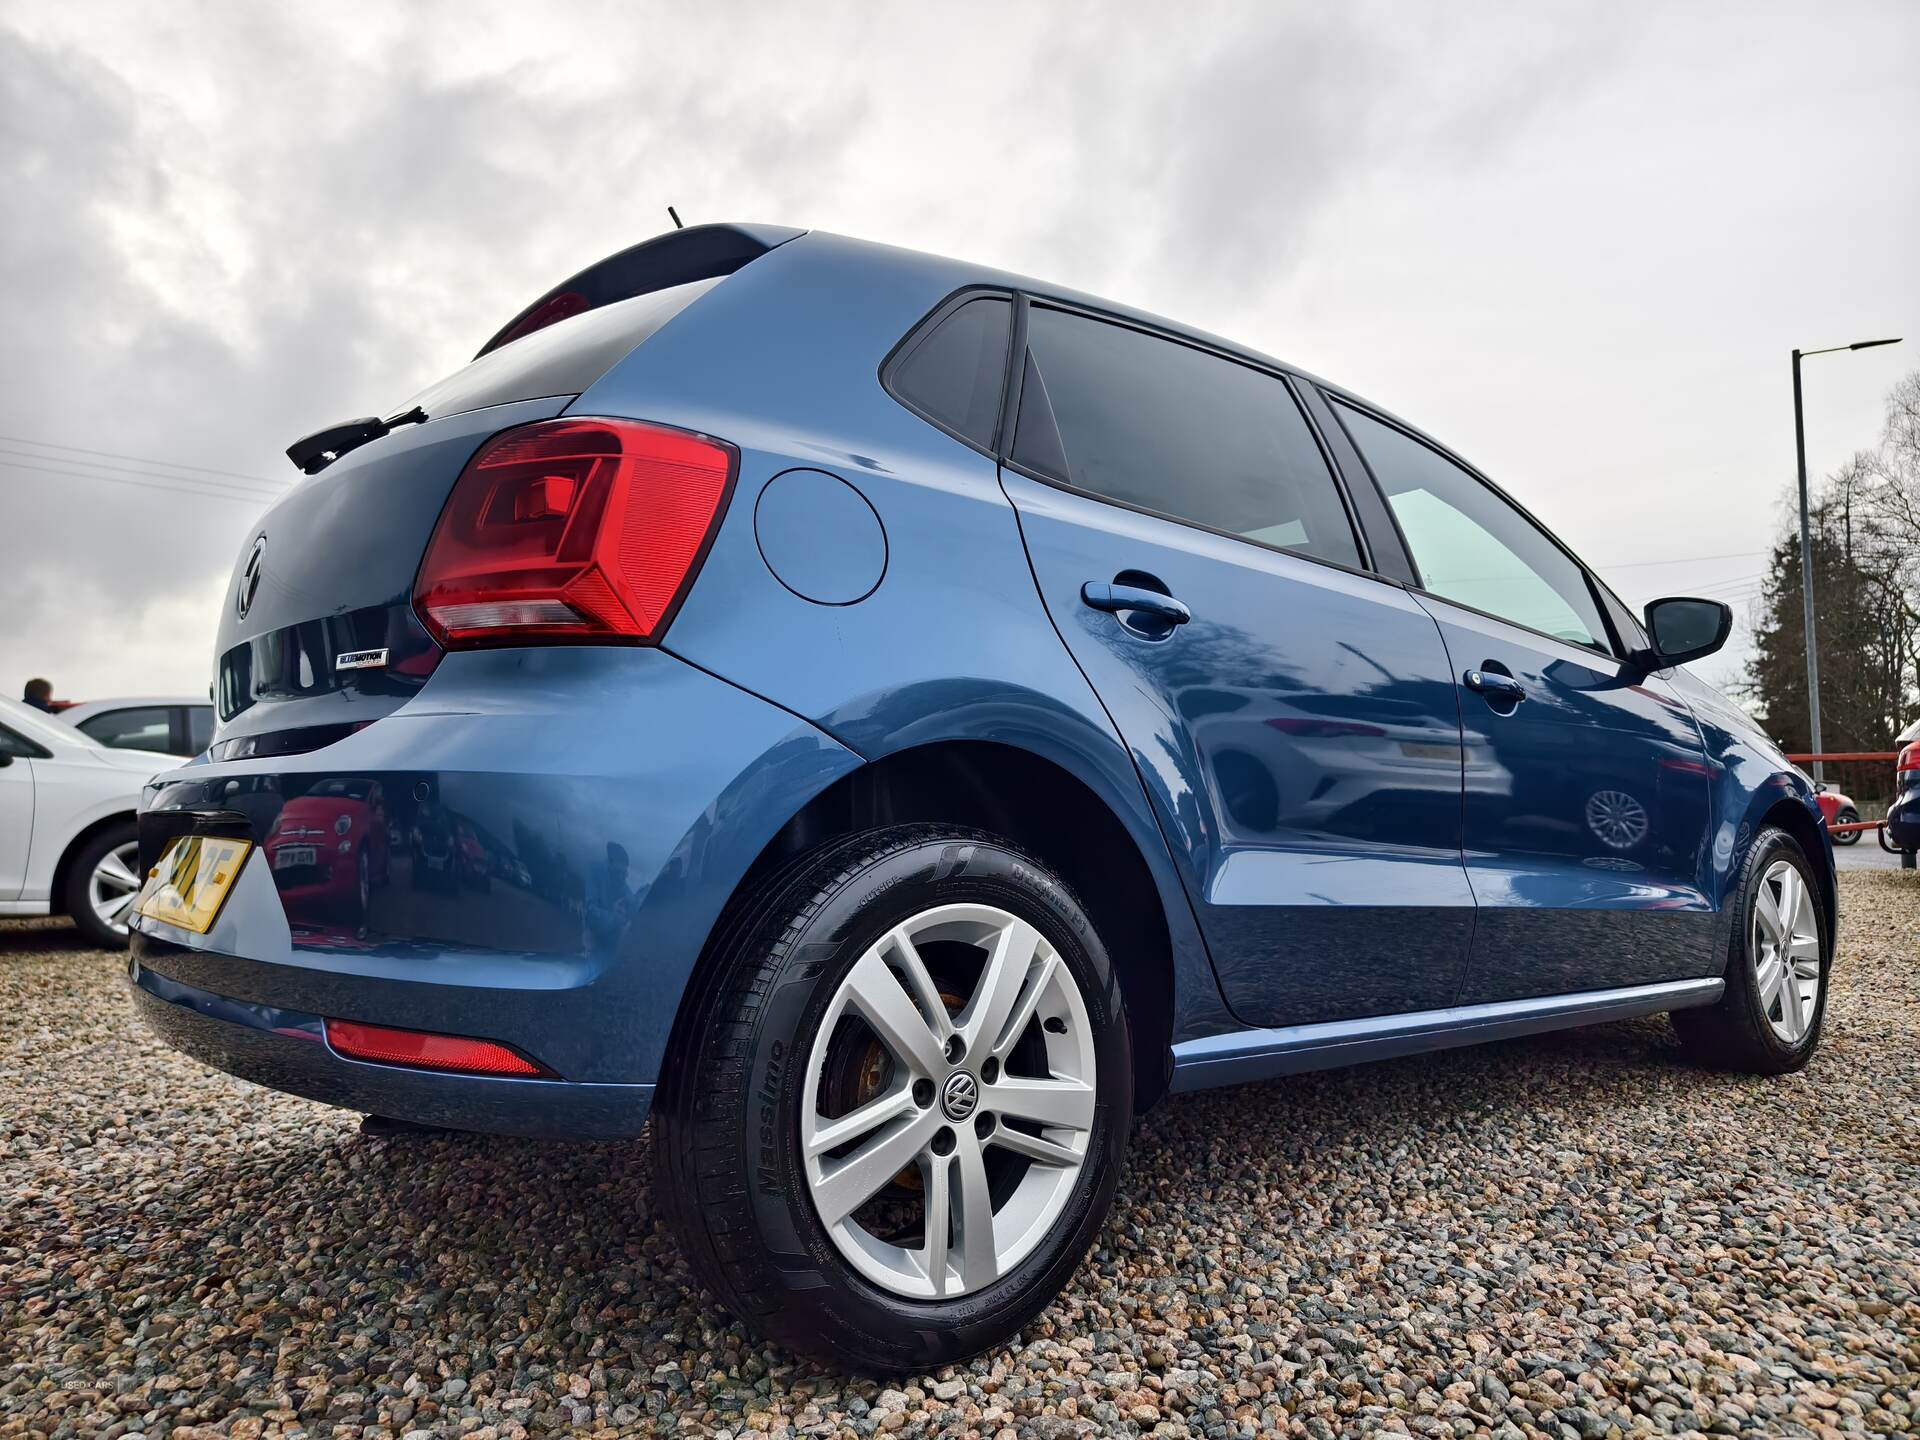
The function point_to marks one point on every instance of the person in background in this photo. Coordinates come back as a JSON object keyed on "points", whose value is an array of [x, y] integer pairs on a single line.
{"points": [[39, 694]]}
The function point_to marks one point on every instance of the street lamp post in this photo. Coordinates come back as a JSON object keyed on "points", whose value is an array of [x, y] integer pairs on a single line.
{"points": [[1806, 547]]}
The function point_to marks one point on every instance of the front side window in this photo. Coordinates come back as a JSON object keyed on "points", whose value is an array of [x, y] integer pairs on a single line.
{"points": [[18, 746], [1470, 545], [955, 374], [199, 727], [143, 728], [1180, 431]]}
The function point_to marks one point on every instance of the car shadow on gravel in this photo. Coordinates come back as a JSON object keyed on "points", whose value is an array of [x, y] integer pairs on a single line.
{"points": [[41, 936], [574, 1225]]}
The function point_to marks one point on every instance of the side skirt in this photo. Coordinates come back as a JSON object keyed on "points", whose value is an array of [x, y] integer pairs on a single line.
{"points": [[1243, 1055]]}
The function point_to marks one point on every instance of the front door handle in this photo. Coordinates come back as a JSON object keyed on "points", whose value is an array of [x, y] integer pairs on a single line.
{"points": [[1494, 684], [1115, 598]]}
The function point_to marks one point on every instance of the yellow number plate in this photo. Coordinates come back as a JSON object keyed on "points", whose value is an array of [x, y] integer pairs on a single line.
{"points": [[191, 880]]}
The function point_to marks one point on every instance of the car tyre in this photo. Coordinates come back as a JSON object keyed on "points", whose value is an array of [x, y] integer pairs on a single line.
{"points": [[1759, 1027], [111, 850], [752, 1059], [1848, 816]]}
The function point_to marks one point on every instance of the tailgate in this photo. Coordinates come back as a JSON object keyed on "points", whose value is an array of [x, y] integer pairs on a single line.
{"points": [[327, 574]]}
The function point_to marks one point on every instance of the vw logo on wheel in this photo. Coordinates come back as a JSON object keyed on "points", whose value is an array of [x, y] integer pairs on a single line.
{"points": [[959, 1096], [250, 578]]}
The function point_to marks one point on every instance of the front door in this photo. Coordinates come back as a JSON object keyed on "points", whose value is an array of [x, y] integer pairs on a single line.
{"points": [[1587, 807], [1294, 719]]}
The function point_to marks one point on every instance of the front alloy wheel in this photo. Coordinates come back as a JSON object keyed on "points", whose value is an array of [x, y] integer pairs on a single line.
{"points": [[1780, 950], [103, 882], [1785, 946], [896, 1102]]}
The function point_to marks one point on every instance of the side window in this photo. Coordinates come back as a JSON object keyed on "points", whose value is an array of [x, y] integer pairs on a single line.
{"points": [[1633, 635], [18, 746], [1176, 430], [1472, 546], [956, 372], [145, 728], [199, 727]]}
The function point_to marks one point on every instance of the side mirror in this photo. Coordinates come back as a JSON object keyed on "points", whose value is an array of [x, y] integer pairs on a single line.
{"points": [[6, 758], [1685, 629]]}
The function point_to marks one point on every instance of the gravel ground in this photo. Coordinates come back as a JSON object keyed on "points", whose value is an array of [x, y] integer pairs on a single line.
{"points": [[1574, 1236]]}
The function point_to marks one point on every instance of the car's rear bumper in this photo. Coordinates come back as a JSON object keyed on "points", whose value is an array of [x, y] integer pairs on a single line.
{"points": [[1903, 821], [288, 1050], [624, 793]]}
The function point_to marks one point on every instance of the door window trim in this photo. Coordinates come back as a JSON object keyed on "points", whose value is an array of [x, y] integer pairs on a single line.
{"points": [[1290, 384], [1611, 649]]}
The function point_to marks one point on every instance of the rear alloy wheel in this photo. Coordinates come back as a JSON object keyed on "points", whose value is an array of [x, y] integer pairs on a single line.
{"points": [[894, 1112], [1769, 1018], [957, 1088], [1847, 816], [103, 881]]}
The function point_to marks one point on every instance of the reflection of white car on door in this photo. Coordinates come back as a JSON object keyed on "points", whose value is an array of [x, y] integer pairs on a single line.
{"points": [[67, 839]]}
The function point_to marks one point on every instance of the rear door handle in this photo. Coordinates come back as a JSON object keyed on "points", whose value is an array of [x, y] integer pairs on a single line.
{"points": [[1115, 598], [1488, 682]]}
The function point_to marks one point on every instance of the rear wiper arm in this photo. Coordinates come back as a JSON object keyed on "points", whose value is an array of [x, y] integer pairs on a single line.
{"points": [[313, 453]]}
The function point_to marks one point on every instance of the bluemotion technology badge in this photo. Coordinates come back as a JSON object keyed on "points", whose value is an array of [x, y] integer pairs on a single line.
{"points": [[361, 659]]}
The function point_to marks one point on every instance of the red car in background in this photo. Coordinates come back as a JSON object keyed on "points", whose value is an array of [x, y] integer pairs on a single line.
{"points": [[328, 849], [1839, 810]]}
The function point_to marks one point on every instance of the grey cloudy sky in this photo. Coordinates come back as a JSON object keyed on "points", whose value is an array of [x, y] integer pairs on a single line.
{"points": [[1575, 241]]}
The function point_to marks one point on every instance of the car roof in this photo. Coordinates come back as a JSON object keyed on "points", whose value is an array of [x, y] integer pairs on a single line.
{"points": [[41, 727]]}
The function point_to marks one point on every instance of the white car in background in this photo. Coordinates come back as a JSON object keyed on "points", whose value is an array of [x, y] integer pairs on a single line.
{"points": [[178, 725], [68, 845]]}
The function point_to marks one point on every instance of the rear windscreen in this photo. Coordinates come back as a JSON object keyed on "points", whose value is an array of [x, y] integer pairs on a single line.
{"points": [[563, 358]]}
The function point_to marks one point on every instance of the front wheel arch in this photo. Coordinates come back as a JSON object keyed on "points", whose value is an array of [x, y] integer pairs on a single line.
{"points": [[57, 890], [1811, 835]]}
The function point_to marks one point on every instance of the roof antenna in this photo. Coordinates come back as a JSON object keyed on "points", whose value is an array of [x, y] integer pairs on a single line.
{"points": [[676, 218]]}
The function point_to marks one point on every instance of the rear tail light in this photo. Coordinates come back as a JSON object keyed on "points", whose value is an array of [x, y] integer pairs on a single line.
{"points": [[425, 1051], [1909, 759], [572, 530]]}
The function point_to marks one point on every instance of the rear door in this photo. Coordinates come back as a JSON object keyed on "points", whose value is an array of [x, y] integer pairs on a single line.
{"points": [[1293, 716], [1587, 786]]}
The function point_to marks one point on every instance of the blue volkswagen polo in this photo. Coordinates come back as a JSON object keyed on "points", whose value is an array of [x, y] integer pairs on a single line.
{"points": [[891, 722]]}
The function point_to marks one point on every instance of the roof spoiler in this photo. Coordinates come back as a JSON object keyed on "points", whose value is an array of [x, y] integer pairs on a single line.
{"points": [[699, 252]]}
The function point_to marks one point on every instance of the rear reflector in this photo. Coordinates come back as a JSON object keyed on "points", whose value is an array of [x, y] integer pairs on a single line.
{"points": [[572, 530], [426, 1052]]}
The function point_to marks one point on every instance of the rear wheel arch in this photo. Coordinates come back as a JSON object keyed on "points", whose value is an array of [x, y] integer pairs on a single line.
{"points": [[1044, 809]]}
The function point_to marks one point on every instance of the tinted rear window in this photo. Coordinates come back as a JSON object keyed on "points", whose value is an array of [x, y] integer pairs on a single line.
{"points": [[561, 359], [1179, 431], [955, 373]]}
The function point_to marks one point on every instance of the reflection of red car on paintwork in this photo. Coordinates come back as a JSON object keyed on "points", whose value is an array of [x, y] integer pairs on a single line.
{"points": [[1839, 810], [329, 846]]}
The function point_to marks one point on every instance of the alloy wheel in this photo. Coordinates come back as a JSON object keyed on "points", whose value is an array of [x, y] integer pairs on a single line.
{"points": [[952, 1162], [1785, 945], [114, 885]]}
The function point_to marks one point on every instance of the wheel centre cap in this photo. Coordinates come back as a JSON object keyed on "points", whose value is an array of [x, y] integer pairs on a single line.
{"points": [[959, 1095]]}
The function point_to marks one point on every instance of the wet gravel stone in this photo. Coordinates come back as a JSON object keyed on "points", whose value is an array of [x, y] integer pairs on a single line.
{"points": [[1576, 1236]]}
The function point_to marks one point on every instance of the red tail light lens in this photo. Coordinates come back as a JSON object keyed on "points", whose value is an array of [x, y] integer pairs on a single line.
{"points": [[572, 530], [426, 1052], [1909, 759]]}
